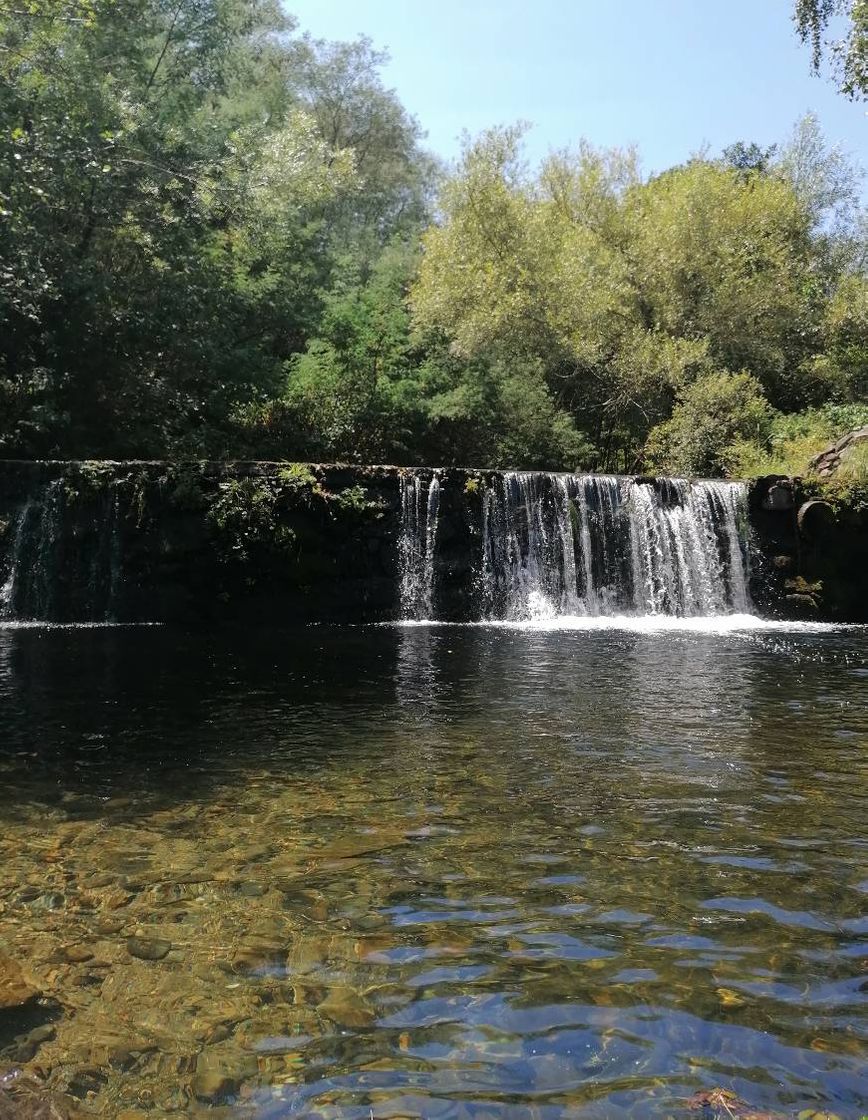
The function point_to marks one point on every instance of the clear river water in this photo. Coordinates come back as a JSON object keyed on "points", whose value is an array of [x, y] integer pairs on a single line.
{"points": [[527, 872]]}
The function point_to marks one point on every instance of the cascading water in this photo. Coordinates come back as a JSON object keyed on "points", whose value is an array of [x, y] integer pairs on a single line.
{"points": [[34, 558], [555, 545], [106, 567], [686, 552], [9, 590], [58, 569], [420, 506]]}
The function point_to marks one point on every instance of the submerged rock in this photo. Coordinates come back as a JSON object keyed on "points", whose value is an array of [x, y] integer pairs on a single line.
{"points": [[346, 1008], [214, 1086], [14, 989], [23, 1098], [722, 1103], [75, 954], [148, 948]]}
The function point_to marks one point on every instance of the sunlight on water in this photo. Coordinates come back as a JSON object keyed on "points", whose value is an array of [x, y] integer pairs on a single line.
{"points": [[35, 624]]}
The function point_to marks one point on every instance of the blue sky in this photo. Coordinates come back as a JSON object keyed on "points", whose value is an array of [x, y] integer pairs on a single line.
{"points": [[667, 75]]}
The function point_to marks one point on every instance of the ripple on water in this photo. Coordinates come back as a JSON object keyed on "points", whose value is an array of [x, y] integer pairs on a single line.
{"points": [[482, 872]]}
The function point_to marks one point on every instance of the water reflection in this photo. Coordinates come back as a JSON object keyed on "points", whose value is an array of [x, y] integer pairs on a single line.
{"points": [[439, 871]]}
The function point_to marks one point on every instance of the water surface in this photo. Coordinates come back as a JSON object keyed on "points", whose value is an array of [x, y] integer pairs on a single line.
{"points": [[438, 871]]}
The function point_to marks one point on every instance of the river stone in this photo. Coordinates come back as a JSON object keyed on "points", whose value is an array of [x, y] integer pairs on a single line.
{"points": [[108, 926], [802, 606], [346, 1008], [24, 1098], [214, 1086], [148, 948], [76, 954], [259, 958], [14, 989]]}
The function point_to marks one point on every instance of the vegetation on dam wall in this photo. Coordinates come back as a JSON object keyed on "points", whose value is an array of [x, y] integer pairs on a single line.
{"points": [[197, 538]]}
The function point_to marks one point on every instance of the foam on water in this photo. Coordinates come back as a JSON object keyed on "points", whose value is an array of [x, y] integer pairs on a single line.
{"points": [[644, 624]]}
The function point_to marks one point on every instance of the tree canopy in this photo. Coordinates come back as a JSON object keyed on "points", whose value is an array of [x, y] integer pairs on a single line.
{"points": [[221, 237], [849, 53]]}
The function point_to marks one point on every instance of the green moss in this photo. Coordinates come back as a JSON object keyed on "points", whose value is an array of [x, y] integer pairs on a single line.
{"points": [[801, 586], [471, 486]]}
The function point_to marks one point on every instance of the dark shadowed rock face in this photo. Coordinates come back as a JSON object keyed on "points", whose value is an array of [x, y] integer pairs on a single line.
{"points": [[810, 553]]}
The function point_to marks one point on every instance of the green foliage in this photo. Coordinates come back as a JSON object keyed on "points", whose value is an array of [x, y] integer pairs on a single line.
{"points": [[850, 53], [353, 393], [91, 477], [846, 494], [263, 515], [352, 500], [711, 414], [245, 514], [186, 492], [216, 240], [168, 190], [299, 480], [627, 293], [793, 440]]}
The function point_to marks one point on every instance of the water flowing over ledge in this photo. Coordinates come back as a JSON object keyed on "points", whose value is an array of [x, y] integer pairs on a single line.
{"points": [[555, 545], [161, 542]]}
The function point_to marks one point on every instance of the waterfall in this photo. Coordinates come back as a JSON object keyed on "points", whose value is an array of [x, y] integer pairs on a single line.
{"points": [[420, 506], [61, 566], [19, 536], [34, 558], [555, 545], [687, 556]]}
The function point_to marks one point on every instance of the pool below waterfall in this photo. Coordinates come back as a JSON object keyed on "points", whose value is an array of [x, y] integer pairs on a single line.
{"points": [[500, 871]]}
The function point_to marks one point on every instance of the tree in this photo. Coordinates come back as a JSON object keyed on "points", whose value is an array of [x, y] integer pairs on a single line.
{"points": [[712, 416], [370, 388], [826, 180], [625, 290], [339, 85], [749, 158], [850, 52]]}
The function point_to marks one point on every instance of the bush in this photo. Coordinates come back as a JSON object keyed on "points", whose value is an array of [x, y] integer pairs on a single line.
{"points": [[713, 414], [795, 439]]}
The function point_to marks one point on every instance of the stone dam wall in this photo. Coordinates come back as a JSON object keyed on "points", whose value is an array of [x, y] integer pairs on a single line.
{"points": [[282, 542]]}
